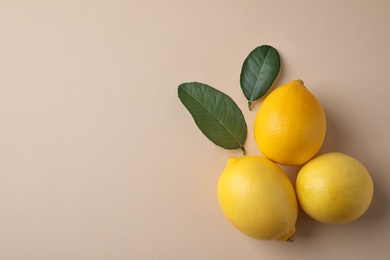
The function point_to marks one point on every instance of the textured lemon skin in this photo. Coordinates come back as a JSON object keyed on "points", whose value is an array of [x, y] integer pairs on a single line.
{"points": [[334, 188], [258, 198], [290, 125]]}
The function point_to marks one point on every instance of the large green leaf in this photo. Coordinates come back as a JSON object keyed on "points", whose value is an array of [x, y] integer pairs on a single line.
{"points": [[215, 113], [258, 72]]}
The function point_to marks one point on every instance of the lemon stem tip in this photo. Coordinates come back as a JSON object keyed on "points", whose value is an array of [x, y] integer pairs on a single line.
{"points": [[301, 81], [291, 239]]}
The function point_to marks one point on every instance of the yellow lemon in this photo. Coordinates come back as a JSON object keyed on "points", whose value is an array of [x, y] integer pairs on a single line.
{"points": [[290, 125], [334, 188], [258, 198]]}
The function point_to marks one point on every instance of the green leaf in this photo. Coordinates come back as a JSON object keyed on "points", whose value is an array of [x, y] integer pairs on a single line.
{"points": [[215, 113], [258, 72]]}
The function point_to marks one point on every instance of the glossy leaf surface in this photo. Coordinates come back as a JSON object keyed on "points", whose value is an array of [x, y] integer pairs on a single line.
{"points": [[258, 72], [215, 113]]}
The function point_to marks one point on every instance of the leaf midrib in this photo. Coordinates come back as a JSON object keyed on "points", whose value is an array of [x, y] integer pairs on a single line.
{"points": [[258, 75]]}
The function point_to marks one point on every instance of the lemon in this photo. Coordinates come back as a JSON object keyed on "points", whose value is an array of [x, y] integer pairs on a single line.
{"points": [[334, 188], [258, 198], [290, 125]]}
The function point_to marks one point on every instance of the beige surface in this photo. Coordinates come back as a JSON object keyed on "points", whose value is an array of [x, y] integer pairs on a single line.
{"points": [[100, 160]]}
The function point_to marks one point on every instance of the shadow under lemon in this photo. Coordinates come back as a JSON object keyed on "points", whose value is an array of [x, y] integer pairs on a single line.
{"points": [[336, 140]]}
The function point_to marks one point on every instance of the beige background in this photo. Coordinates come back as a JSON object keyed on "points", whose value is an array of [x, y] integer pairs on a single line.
{"points": [[100, 160]]}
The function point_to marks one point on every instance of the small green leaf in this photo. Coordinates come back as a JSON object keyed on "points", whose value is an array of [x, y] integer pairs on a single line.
{"points": [[215, 113], [258, 72]]}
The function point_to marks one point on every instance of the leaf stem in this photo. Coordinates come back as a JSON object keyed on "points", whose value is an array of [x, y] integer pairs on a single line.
{"points": [[243, 150], [250, 105]]}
